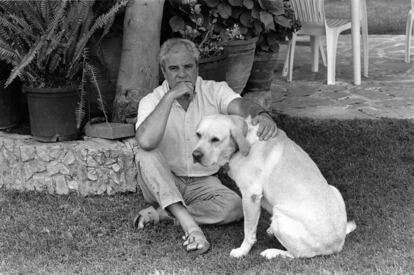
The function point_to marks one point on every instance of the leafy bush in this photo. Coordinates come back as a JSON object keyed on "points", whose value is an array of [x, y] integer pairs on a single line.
{"points": [[270, 20], [196, 22], [48, 42]]}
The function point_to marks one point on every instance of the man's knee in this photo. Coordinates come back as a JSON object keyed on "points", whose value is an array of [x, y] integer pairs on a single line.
{"points": [[232, 209], [144, 156], [150, 161]]}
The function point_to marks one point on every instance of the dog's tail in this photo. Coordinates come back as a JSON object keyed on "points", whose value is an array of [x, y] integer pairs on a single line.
{"points": [[350, 226]]}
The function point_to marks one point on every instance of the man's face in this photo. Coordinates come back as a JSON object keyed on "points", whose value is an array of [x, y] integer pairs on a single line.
{"points": [[179, 66]]}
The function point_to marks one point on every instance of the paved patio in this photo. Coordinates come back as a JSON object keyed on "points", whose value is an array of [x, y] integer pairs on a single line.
{"points": [[387, 92]]}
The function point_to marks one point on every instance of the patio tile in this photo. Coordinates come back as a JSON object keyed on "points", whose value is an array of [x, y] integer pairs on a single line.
{"points": [[387, 92], [372, 93]]}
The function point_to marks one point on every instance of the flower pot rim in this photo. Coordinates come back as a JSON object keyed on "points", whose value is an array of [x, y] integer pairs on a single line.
{"points": [[212, 58], [241, 42], [47, 90]]}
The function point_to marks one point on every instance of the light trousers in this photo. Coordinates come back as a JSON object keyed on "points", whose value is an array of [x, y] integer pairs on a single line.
{"points": [[206, 198]]}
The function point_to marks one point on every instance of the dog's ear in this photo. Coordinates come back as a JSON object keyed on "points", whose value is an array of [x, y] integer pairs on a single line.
{"points": [[239, 131]]}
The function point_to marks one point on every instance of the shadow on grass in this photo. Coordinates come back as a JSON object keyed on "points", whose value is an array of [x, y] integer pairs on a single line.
{"points": [[370, 161]]}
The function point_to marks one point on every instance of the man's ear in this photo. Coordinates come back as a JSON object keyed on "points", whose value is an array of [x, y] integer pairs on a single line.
{"points": [[162, 69], [239, 131]]}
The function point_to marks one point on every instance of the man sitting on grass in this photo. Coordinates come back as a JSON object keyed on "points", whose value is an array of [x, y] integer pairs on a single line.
{"points": [[166, 133]]}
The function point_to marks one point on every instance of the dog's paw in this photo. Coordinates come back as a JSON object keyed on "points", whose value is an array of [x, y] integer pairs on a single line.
{"points": [[238, 252], [273, 252]]}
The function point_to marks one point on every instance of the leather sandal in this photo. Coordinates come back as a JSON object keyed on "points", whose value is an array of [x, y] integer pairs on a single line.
{"points": [[151, 215], [196, 242], [147, 216]]}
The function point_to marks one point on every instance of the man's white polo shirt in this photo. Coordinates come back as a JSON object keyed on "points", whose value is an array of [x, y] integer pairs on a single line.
{"points": [[180, 138]]}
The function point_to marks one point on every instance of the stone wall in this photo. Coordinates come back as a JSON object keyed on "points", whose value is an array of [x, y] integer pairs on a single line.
{"points": [[89, 167]]}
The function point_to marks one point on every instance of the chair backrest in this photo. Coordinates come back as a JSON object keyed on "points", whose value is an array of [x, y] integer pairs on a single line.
{"points": [[309, 11]]}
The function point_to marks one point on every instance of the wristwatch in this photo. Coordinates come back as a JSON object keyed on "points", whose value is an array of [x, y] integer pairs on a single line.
{"points": [[264, 112]]}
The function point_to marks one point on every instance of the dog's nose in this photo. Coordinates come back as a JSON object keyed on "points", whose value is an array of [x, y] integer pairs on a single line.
{"points": [[197, 156]]}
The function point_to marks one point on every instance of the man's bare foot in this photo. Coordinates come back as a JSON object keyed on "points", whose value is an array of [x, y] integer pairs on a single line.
{"points": [[196, 242]]}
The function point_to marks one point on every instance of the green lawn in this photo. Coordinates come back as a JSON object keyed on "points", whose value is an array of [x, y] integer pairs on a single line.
{"points": [[384, 16], [370, 161]]}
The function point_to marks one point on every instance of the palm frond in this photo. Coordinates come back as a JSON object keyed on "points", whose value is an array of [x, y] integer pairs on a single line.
{"points": [[80, 111], [4, 35], [107, 17], [30, 11], [54, 62], [106, 29], [7, 54], [44, 39], [21, 9], [13, 41], [100, 22], [23, 26], [18, 43], [14, 17], [93, 76], [8, 25], [9, 7], [6, 47], [84, 15], [75, 27], [27, 59], [24, 62], [44, 7], [55, 41], [58, 14]]}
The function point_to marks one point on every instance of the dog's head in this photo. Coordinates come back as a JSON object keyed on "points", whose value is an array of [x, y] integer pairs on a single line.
{"points": [[219, 137]]}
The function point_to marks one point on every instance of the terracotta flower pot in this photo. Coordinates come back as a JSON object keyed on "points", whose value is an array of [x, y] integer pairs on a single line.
{"points": [[262, 73], [240, 56], [213, 68], [52, 113]]}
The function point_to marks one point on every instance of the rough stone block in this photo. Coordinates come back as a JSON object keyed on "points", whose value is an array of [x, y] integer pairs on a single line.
{"points": [[61, 186], [27, 152], [87, 167], [109, 130]]}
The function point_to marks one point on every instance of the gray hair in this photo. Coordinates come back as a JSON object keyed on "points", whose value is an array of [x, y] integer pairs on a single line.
{"points": [[172, 42]]}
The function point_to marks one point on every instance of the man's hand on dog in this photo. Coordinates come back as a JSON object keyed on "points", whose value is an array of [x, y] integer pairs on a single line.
{"points": [[267, 126]]}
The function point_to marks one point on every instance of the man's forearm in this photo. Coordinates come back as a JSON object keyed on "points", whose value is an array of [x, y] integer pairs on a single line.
{"points": [[151, 131], [252, 108], [244, 107]]}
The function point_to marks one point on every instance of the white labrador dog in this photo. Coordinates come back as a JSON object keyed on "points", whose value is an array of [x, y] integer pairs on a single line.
{"points": [[308, 215]]}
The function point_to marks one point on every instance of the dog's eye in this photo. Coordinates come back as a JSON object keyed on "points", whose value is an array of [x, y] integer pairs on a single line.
{"points": [[214, 139], [198, 135]]}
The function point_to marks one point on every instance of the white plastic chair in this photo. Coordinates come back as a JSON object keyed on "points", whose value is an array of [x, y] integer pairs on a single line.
{"points": [[408, 32], [311, 14]]}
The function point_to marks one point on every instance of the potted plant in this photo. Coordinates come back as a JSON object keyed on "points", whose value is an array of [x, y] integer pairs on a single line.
{"points": [[234, 23], [196, 23], [47, 43], [240, 55], [10, 99], [274, 22]]}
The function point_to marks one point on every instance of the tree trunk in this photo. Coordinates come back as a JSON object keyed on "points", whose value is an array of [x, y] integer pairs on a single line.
{"points": [[138, 70]]}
